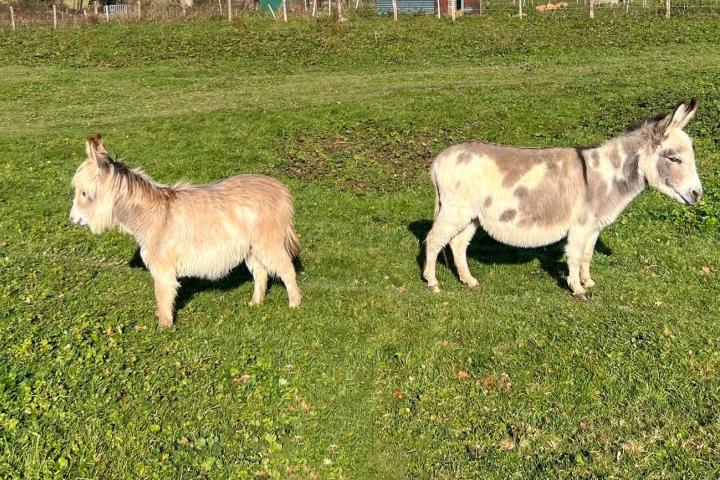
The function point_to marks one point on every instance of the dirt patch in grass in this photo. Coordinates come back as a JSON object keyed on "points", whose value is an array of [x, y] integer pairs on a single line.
{"points": [[366, 155]]}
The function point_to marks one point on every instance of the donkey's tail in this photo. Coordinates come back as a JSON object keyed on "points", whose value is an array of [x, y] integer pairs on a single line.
{"points": [[438, 204], [292, 244]]}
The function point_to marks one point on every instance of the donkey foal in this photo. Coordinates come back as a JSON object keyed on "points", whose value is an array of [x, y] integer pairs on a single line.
{"points": [[190, 231], [533, 197]]}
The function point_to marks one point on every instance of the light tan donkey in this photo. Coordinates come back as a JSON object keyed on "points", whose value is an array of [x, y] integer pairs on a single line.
{"points": [[191, 231], [529, 197]]}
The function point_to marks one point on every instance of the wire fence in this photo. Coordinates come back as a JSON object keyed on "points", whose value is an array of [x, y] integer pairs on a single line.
{"points": [[18, 16]]}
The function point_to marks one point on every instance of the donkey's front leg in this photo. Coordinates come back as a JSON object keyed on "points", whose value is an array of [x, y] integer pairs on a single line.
{"points": [[585, 279], [166, 286], [575, 248]]}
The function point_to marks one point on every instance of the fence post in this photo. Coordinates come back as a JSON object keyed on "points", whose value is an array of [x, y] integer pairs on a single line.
{"points": [[95, 6], [314, 8], [139, 9], [479, 7], [12, 18], [453, 9], [55, 16], [627, 6], [592, 8], [438, 8], [667, 8], [229, 10], [357, 4], [284, 12], [394, 5], [520, 2], [329, 7], [107, 13]]}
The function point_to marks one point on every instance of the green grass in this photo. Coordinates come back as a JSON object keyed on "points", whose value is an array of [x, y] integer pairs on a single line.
{"points": [[373, 377]]}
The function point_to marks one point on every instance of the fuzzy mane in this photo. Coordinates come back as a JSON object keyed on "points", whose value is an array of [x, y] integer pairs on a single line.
{"points": [[132, 183]]}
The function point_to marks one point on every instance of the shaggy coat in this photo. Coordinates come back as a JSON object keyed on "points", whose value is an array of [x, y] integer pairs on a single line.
{"points": [[191, 231], [533, 197]]}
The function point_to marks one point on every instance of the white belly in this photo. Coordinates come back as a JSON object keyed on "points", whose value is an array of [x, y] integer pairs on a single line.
{"points": [[526, 237]]}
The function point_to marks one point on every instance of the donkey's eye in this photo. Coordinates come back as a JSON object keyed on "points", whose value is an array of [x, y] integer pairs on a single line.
{"points": [[673, 159], [83, 194]]}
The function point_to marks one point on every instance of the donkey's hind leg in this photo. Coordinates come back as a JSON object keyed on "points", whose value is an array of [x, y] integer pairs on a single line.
{"points": [[286, 272], [260, 279], [166, 286], [459, 246], [446, 225], [279, 262]]}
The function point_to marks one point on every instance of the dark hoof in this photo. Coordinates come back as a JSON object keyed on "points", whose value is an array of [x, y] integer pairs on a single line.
{"points": [[583, 297]]}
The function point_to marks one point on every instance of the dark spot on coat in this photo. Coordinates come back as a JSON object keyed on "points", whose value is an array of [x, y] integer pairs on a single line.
{"points": [[508, 215], [463, 158], [521, 191], [630, 182]]}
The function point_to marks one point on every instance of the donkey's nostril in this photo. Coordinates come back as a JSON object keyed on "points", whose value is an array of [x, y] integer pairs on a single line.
{"points": [[695, 195]]}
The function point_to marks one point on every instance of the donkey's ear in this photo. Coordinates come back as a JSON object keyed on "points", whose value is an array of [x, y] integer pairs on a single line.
{"points": [[96, 151], [680, 117]]}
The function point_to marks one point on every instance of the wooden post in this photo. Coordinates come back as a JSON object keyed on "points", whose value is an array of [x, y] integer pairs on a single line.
{"points": [[592, 8], [12, 18], [229, 10], [220, 7], [107, 13], [394, 5], [95, 6], [139, 9], [453, 9], [339, 5], [520, 2], [55, 16], [284, 11], [667, 8], [438, 7], [314, 8], [329, 7], [479, 7]]}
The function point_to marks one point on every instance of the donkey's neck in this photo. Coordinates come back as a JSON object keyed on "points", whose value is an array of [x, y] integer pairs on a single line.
{"points": [[614, 175], [623, 155], [140, 205]]}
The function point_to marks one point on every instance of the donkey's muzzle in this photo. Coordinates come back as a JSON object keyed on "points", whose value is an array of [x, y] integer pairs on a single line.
{"points": [[695, 195], [77, 219]]}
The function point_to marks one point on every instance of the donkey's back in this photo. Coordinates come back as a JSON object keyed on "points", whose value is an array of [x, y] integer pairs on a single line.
{"points": [[221, 224]]}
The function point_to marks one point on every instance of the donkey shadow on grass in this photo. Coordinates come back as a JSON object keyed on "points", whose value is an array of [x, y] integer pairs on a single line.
{"points": [[489, 251], [190, 286]]}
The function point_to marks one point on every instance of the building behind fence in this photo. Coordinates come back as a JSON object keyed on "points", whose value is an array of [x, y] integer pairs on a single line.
{"points": [[61, 16]]}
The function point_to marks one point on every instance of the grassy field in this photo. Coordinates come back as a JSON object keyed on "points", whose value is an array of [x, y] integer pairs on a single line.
{"points": [[373, 377]]}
